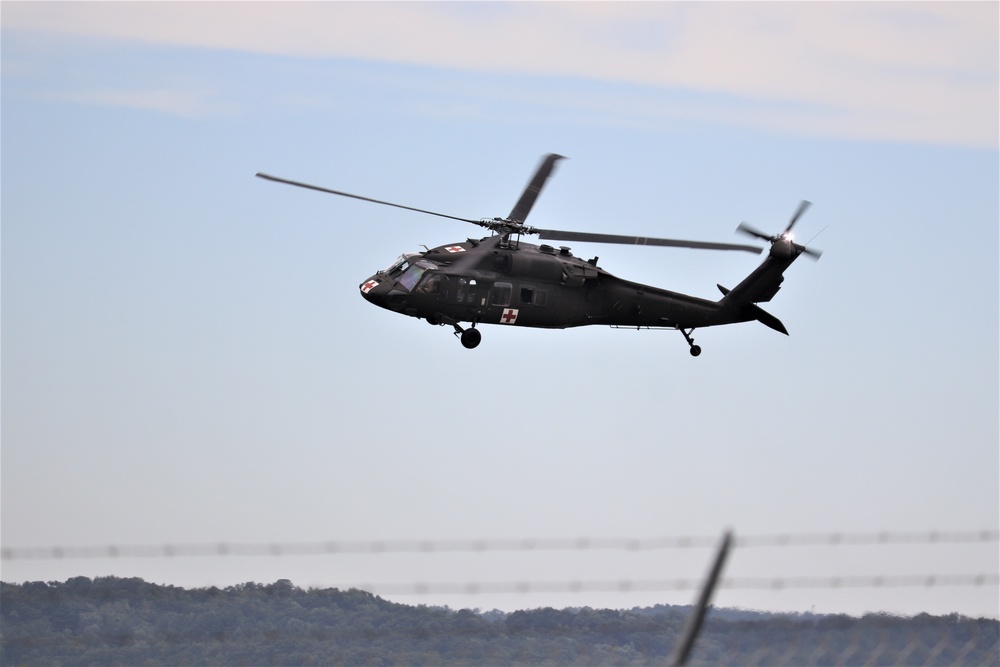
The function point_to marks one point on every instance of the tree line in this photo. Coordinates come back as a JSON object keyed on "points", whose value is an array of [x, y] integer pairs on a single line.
{"points": [[127, 621]]}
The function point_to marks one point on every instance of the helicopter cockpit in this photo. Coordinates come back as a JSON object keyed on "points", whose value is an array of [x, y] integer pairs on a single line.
{"points": [[399, 264], [413, 273], [407, 270]]}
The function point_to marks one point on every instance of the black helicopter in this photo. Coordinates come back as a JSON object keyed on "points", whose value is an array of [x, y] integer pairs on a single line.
{"points": [[503, 280]]}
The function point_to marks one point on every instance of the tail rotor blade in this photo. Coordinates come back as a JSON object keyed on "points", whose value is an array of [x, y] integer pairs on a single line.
{"points": [[753, 231], [812, 252], [798, 214]]}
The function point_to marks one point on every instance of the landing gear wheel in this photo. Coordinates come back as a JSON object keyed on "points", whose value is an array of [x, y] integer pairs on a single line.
{"points": [[695, 349], [470, 338]]}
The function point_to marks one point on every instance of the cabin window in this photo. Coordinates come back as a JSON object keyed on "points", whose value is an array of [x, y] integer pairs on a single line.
{"points": [[529, 295], [501, 294], [466, 292]]}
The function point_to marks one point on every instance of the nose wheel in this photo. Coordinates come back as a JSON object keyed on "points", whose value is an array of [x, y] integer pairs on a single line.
{"points": [[695, 349]]}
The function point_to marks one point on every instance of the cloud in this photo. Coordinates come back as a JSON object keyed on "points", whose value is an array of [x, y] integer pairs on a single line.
{"points": [[923, 72], [180, 102]]}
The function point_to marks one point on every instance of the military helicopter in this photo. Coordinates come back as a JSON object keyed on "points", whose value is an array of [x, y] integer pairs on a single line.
{"points": [[501, 279]]}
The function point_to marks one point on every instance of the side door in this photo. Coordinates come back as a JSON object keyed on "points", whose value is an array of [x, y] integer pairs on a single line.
{"points": [[501, 309]]}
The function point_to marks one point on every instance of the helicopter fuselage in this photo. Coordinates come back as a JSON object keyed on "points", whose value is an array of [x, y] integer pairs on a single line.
{"points": [[513, 283]]}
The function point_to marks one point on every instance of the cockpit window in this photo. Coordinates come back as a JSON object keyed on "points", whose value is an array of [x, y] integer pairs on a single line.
{"points": [[431, 284], [400, 264], [412, 274]]}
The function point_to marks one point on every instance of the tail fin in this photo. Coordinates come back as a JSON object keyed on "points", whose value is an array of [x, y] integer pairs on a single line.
{"points": [[752, 311], [740, 303]]}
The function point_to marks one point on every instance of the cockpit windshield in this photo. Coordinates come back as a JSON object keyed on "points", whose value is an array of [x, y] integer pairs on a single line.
{"points": [[412, 274], [400, 264]]}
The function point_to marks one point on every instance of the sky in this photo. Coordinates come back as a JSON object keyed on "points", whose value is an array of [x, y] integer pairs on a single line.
{"points": [[186, 359]]}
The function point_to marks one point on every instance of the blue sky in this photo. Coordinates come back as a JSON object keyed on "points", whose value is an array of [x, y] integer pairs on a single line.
{"points": [[186, 358]]}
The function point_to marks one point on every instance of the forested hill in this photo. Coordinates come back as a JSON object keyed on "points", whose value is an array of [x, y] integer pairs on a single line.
{"points": [[115, 621]]}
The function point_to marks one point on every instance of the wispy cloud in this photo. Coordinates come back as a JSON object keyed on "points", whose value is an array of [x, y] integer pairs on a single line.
{"points": [[888, 71], [180, 102]]}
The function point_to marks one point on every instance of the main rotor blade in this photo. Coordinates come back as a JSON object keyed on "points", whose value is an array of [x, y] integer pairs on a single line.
{"points": [[798, 214], [557, 235], [530, 194], [369, 199]]}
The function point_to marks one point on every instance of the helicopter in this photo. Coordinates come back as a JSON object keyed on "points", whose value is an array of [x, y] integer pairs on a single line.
{"points": [[500, 279]]}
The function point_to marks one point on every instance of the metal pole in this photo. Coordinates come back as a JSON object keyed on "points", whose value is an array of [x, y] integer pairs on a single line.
{"points": [[681, 652]]}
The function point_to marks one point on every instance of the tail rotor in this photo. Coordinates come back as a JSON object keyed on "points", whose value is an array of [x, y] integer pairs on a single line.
{"points": [[783, 243]]}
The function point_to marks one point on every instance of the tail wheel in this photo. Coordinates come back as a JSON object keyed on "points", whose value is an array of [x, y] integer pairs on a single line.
{"points": [[695, 349]]}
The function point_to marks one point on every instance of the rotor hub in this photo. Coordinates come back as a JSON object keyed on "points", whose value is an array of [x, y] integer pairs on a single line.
{"points": [[784, 248]]}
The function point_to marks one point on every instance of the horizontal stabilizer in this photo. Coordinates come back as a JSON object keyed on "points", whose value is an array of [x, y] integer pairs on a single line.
{"points": [[766, 318], [759, 314]]}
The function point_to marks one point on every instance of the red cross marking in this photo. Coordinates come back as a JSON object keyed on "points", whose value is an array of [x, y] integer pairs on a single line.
{"points": [[509, 316], [368, 286], [455, 248]]}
